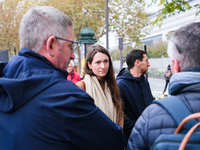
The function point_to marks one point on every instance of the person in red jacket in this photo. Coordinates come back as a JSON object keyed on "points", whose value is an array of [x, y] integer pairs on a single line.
{"points": [[72, 76]]}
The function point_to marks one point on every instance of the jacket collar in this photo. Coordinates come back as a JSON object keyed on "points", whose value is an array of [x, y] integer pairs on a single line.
{"points": [[125, 74], [29, 53], [185, 80]]}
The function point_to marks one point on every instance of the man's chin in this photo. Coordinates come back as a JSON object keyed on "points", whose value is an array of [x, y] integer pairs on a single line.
{"points": [[145, 72]]}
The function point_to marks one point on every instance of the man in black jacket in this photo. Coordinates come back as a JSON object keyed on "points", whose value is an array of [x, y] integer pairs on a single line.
{"points": [[134, 89]]}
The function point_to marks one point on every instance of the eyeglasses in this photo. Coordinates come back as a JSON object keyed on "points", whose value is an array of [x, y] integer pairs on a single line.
{"points": [[74, 44], [169, 34], [176, 46]]}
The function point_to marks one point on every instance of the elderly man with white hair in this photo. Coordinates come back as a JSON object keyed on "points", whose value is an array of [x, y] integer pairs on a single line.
{"points": [[184, 52], [39, 108]]}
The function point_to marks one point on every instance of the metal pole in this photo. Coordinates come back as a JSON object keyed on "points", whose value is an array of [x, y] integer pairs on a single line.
{"points": [[145, 49], [107, 45], [121, 48], [85, 50], [121, 59]]}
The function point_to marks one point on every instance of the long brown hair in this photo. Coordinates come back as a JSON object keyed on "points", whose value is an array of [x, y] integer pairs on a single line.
{"points": [[110, 77]]}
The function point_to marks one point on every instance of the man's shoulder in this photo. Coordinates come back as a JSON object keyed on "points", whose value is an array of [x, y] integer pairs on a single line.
{"points": [[70, 96], [68, 87], [123, 81], [154, 110], [146, 81], [123, 78]]}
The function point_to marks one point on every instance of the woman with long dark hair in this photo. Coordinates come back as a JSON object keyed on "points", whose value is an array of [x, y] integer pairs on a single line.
{"points": [[100, 83]]}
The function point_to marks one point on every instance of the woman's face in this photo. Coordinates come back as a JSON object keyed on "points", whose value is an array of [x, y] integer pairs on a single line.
{"points": [[99, 65]]}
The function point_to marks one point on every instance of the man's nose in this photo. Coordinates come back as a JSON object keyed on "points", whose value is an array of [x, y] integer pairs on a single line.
{"points": [[72, 56], [148, 64]]}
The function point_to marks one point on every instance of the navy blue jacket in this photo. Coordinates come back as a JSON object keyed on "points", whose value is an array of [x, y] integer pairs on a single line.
{"points": [[136, 96], [40, 109], [155, 120]]}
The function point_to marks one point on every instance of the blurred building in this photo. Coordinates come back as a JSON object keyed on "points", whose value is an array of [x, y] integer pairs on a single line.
{"points": [[170, 23]]}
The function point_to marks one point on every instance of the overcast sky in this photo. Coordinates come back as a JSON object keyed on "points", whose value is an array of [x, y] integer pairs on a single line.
{"points": [[151, 8]]}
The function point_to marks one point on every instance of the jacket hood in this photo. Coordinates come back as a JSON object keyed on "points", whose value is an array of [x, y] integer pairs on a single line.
{"points": [[185, 81], [19, 83], [125, 74]]}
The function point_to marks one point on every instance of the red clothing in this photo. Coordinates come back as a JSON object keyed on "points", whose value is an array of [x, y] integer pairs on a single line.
{"points": [[74, 77]]}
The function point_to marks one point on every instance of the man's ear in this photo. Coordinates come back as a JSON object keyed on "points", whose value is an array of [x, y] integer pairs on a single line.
{"points": [[175, 67], [137, 63], [51, 45]]}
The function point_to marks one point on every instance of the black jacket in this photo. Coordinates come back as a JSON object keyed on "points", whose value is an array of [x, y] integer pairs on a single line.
{"points": [[136, 96]]}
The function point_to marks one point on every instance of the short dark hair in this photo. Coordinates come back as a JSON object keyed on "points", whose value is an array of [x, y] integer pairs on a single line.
{"points": [[133, 55]]}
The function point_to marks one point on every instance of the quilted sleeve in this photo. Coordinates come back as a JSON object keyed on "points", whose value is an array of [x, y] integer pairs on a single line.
{"points": [[138, 137]]}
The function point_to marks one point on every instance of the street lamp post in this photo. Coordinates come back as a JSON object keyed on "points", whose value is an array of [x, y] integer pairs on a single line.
{"points": [[107, 26], [107, 45], [86, 41]]}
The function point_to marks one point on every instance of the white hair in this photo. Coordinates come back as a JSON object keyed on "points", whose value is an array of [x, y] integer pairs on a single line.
{"points": [[187, 40], [173, 52], [41, 22]]}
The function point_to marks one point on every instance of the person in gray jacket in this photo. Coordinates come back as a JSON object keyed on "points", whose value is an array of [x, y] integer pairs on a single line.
{"points": [[184, 52]]}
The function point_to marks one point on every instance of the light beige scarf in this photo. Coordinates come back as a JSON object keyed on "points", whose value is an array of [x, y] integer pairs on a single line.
{"points": [[103, 100]]}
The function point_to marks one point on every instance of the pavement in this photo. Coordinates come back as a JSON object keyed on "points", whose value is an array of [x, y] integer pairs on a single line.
{"points": [[157, 87], [157, 76]]}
